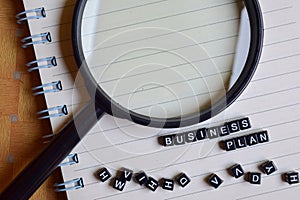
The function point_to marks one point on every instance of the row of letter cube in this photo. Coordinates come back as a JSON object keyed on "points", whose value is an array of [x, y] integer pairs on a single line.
{"points": [[244, 141], [254, 177], [125, 175], [204, 133]]}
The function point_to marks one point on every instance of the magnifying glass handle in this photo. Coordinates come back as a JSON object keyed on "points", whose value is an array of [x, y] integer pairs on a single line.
{"points": [[29, 180]]}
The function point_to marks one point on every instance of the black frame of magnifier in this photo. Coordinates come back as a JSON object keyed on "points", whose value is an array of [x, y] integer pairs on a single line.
{"points": [[110, 106]]}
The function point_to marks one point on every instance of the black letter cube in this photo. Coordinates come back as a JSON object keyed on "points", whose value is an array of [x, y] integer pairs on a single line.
{"points": [[252, 139], [141, 178], [215, 181], [167, 184], [223, 130], [229, 145], [263, 137], [240, 142], [126, 174], [182, 179], [103, 174], [179, 139], [166, 140], [190, 137], [244, 123], [233, 126], [119, 184], [292, 177], [237, 170], [255, 178], [152, 184], [269, 167], [201, 134], [213, 132]]}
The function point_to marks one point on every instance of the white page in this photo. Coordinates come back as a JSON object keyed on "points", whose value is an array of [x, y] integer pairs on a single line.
{"points": [[271, 102]]}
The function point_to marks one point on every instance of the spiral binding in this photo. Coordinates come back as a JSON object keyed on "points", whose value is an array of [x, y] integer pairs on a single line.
{"points": [[75, 184], [70, 160], [42, 63], [57, 111], [41, 38], [55, 86], [36, 13]]}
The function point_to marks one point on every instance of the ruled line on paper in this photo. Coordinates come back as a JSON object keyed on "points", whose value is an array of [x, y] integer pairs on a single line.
{"points": [[191, 28], [159, 35], [58, 8], [129, 8], [239, 100], [277, 9], [270, 192], [57, 41], [282, 41], [285, 40], [214, 57], [172, 33], [228, 185], [280, 25], [58, 74], [60, 5], [251, 97], [195, 61], [201, 60], [253, 80], [113, 11], [160, 18], [248, 98], [280, 58], [104, 13]]}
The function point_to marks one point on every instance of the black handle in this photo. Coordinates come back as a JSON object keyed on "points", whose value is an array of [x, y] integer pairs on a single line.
{"points": [[30, 179]]}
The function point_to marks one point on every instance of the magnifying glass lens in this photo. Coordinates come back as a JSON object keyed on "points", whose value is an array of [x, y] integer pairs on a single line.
{"points": [[165, 59]]}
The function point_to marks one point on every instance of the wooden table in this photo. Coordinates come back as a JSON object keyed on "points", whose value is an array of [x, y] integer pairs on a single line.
{"points": [[20, 131]]}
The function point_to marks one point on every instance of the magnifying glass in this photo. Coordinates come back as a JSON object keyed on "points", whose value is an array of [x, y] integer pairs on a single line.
{"points": [[164, 64]]}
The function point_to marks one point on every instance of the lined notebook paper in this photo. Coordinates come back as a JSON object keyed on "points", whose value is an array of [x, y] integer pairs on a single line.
{"points": [[271, 101]]}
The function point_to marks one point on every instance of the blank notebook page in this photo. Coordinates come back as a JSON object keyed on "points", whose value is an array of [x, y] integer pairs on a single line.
{"points": [[271, 101]]}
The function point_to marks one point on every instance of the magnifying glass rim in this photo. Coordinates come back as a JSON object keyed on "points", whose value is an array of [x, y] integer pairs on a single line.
{"points": [[113, 108]]}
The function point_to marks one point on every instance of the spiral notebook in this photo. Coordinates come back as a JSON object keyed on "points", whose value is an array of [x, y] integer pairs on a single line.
{"points": [[271, 102]]}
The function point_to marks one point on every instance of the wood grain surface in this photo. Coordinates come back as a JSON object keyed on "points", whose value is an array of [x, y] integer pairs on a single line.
{"points": [[21, 133]]}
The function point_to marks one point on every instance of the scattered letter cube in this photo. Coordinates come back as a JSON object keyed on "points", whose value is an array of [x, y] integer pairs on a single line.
{"points": [[167, 184], [237, 171], [141, 178], [215, 181], [152, 184], [183, 180], [269, 167], [119, 184], [255, 178], [292, 177], [126, 174], [103, 174]]}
